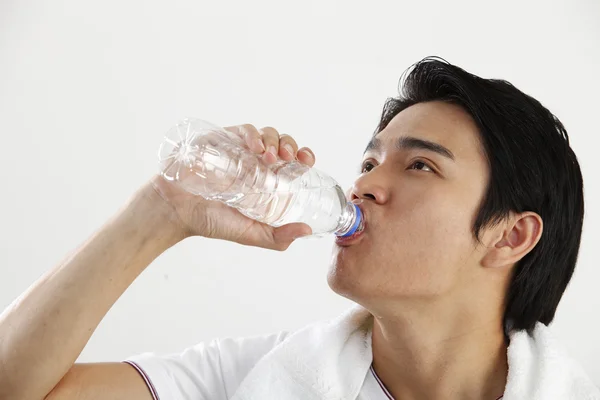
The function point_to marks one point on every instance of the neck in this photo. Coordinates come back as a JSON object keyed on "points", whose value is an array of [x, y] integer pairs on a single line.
{"points": [[433, 353]]}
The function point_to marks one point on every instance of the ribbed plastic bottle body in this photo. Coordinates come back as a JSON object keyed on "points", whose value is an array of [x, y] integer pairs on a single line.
{"points": [[209, 161]]}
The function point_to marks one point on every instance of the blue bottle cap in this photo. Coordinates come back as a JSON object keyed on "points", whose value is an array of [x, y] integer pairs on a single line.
{"points": [[356, 222]]}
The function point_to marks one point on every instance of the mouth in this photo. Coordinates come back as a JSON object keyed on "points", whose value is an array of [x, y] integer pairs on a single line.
{"points": [[348, 240]]}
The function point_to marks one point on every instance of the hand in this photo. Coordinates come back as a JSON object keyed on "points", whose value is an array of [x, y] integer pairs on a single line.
{"points": [[195, 215]]}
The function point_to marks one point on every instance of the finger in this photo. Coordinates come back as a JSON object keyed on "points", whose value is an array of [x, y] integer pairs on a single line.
{"points": [[287, 147], [284, 235], [306, 156], [251, 136], [270, 138]]}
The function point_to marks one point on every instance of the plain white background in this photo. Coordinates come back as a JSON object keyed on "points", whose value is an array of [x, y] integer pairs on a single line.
{"points": [[88, 88]]}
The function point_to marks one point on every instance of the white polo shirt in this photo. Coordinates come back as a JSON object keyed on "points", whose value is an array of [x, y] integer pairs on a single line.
{"points": [[215, 370]]}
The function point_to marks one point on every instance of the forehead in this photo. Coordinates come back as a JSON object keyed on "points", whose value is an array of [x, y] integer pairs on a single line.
{"points": [[446, 124]]}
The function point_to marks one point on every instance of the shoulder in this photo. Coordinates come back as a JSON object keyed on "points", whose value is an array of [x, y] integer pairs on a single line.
{"points": [[539, 366], [211, 369]]}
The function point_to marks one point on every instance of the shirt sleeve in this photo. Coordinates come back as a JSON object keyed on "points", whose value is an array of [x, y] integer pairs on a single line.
{"points": [[205, 371]]}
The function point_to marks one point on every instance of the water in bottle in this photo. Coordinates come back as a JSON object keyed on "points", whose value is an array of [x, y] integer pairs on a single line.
{"points": [[216, 164]]}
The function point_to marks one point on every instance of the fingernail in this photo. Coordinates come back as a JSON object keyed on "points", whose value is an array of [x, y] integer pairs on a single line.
{"points": [[308, 153], [273, 150], [259, 144], [288, 147]]}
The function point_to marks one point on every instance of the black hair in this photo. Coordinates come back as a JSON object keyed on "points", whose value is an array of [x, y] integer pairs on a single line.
{"points": [[532, 168]]}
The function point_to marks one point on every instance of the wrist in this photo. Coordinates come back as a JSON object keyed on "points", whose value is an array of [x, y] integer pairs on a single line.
{"points": [[150, 213]]}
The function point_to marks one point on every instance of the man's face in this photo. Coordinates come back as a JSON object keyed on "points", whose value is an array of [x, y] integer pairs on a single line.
{"points": [[420, 206]]}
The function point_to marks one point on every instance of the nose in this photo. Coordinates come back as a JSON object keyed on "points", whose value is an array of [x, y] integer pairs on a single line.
{"points": [[370, 186]]}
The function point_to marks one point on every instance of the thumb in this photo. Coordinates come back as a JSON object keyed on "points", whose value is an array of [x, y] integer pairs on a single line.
{"points": [[284, 235]]}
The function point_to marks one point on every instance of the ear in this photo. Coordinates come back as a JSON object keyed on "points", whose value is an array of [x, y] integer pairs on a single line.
{"points": [[517, 237]]}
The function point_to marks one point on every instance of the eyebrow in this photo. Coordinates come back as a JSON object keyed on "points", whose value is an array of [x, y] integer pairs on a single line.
{"points": [[409, 142]]}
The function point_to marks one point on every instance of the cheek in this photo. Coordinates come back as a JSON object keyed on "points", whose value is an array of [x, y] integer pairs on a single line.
{"points": [[426, 259], [434, 229]]}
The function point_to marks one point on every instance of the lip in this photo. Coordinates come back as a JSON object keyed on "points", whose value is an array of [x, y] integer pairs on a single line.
{"points": [[354, 238]]}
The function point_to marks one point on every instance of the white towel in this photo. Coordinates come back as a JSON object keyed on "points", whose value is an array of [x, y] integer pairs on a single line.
{"points": [[329, 361]]}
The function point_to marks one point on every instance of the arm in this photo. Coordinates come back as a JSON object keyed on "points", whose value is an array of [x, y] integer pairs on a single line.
{"points": [[44, 330], [100, 381]]}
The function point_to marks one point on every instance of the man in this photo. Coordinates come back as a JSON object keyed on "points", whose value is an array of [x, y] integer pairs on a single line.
{"points": [[473, 205]]}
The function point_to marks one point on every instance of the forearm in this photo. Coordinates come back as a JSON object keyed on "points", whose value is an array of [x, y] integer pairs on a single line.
{"points": [[43, 331]]}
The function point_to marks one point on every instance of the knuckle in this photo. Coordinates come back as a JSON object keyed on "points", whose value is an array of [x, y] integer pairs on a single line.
{"points": [[288, 139], [269, 132], [282, 246], [249, 129], [269, 129]]}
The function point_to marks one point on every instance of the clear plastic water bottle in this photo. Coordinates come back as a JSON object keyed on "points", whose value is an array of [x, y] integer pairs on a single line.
{"points": [[209, 161]]}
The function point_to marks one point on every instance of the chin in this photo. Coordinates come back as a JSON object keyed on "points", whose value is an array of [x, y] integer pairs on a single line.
{"points": [[343, 276]]}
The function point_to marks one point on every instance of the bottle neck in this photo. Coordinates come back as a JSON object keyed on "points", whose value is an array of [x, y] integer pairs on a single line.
{"points": [[349, 221]]}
